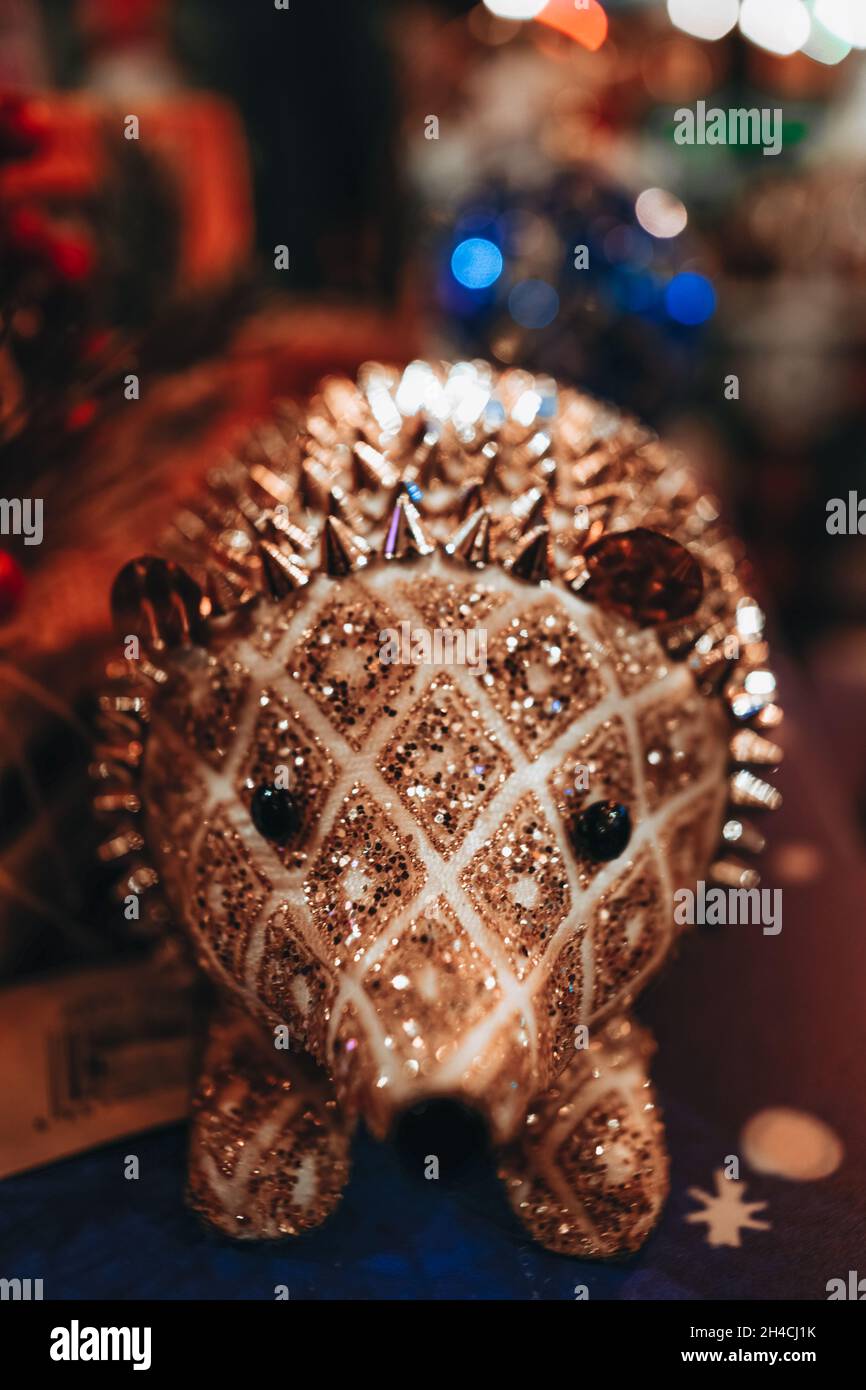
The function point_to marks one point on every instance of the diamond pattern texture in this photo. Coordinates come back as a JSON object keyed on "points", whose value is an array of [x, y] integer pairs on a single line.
{"points": [[439, 795]]}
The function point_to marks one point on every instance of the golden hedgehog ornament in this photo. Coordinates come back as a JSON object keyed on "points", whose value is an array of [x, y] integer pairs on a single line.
{"points": [[427, 709]]}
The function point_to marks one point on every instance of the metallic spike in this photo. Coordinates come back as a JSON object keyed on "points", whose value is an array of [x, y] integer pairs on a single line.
{"points": [[126, 754], [127, 707], [110, 803], [740, 833], [343, 508], [282, 571], [471, 541], [681, 639], [142, 880], [118, 729], [576, 575], [729, 874], [156, 674], [749, 747], [321, 430], [548, 470], [128, 841], [276, 526], [488, 459], [343, 551], [530, 559], [750, 620], [160, 597], [129, 674], [345, 403], [226, 589], [426, 460], [374, 469], [316, 483], [711, 668], [757, 709], [770, 717], [745, 706], [275, 488], [531, 508], [470, 497], [405, 486], [232, 548], [116, 774], [748, 790], [248, 508], [406, 536]]}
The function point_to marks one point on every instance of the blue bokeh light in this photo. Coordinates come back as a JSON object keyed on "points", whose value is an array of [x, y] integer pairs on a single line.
{"points": [[690, 299], [533, 303], [476, 263]]}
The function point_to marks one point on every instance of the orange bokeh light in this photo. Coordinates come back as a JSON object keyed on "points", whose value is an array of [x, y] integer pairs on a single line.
{"points": [[587, 23]]}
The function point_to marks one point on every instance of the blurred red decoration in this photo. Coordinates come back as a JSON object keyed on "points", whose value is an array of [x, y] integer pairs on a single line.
{"points": [[24, 126], [11, 586], [72, 257], [81, 415]]}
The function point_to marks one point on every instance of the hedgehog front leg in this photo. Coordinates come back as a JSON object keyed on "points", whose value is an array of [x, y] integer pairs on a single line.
{"points": [[269, 1150], [589, 1173]]}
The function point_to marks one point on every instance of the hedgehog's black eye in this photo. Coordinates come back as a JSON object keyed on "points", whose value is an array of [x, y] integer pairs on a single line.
{"points": [[602, 831], [276, 813]]}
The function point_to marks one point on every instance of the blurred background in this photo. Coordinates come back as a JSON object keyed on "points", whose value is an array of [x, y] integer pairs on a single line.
{"points": [[204, 205]]}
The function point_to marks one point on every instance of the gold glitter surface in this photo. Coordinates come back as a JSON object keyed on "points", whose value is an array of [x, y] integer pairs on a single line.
{"points": [[628, 928], [541, 675], [204, 702], [294, 985], [518, 885], [365, 873], [559, 1002], [230, 894], [355, 1069], [635, 653], [455, 604], [269, 1153], [588, 1174], [602, 1148], [337, 662], [677, 752], [445, 764], [430, 987]]}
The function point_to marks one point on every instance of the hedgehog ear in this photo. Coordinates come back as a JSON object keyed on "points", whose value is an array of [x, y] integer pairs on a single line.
{"points": [[159, 602], [644, 575]]}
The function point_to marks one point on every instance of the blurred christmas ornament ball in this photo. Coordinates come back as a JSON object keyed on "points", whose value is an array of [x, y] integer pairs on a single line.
{"points": [[579, 277]]}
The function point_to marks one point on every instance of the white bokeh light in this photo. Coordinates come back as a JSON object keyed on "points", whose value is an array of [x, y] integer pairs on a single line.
{"points": [[660, 213], [825, 47], [780, 26], [515, 9], [704, 19], [844, 18]]}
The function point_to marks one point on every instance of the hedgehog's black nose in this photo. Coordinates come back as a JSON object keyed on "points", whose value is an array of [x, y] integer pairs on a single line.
{"points": [[447, 1131]]}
